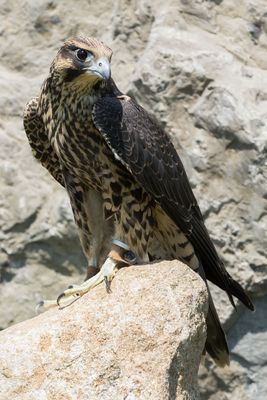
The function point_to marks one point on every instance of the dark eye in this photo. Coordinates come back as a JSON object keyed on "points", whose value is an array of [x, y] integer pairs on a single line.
{"points": [[82, 54]]}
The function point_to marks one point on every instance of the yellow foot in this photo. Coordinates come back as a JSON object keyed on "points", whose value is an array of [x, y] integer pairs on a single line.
{"points": [[74, 292], [106, 274]]}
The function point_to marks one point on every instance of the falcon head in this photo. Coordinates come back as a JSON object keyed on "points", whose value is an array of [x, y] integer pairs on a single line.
{"points": [[83, 59]]}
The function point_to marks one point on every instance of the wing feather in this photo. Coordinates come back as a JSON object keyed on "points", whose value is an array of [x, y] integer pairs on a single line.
{"points": [[146, 150], [138, 141], [41, 147]]}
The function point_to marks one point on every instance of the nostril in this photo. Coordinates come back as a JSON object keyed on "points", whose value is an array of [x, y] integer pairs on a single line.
{"points": [[100, 64]]}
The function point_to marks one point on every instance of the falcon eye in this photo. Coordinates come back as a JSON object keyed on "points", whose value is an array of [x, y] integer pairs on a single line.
{"points": [[82, 54]]}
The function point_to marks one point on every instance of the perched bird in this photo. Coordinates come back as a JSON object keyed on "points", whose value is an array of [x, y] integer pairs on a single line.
{"points": [[131, 198]]}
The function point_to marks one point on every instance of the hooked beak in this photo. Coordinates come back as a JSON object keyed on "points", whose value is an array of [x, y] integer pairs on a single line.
{"points": [[100, 68]]}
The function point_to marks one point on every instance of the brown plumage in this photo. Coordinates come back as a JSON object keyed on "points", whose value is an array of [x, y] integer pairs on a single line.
{"points": [[122, 173]]}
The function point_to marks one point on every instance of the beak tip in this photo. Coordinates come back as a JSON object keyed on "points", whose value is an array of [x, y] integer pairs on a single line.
{"points": [[105, 72], [101, 69]]}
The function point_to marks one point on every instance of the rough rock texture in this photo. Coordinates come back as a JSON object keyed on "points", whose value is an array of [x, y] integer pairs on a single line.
{"points": [[143, 341], [200, 66]]}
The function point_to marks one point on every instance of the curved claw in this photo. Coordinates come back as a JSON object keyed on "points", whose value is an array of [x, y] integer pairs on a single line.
{"points": [[38, 306], [107, 283], [60, 297], [74, 292]]}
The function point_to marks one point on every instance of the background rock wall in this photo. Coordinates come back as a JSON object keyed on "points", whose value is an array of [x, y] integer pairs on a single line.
{"points": [[200, 66]]}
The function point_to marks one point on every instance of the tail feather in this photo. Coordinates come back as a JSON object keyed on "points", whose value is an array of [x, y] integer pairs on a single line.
{"points": [[213, 266], [237, 291], [216, 344]]}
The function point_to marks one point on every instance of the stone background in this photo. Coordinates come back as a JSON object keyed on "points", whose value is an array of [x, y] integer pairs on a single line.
{"points": [[201, 67]]}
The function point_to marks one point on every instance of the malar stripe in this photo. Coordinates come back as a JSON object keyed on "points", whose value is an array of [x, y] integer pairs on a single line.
{"points": [[71, 74]]}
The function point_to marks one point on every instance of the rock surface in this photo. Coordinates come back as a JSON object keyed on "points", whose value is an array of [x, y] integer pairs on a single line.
{"points": [[143, 341], [200, 66]]}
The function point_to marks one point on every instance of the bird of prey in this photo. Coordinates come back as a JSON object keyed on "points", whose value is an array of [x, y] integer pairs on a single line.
{"points": [[129, 192]]}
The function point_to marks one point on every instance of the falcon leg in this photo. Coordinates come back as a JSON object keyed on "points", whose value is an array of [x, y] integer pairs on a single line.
{"points": [[106, 274], [117, 258], [94, 230]]}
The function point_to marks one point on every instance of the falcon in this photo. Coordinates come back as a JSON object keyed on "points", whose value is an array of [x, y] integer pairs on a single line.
{"points": [[129, 192]]}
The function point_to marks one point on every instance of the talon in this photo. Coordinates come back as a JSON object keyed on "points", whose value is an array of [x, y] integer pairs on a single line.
{"points": [[60, 297], [108, 286], [38, 306], [74, 292]]}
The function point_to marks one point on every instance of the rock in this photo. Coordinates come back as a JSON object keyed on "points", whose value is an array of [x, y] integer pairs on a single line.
{"points": [[216, 111], [142, 341]]}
